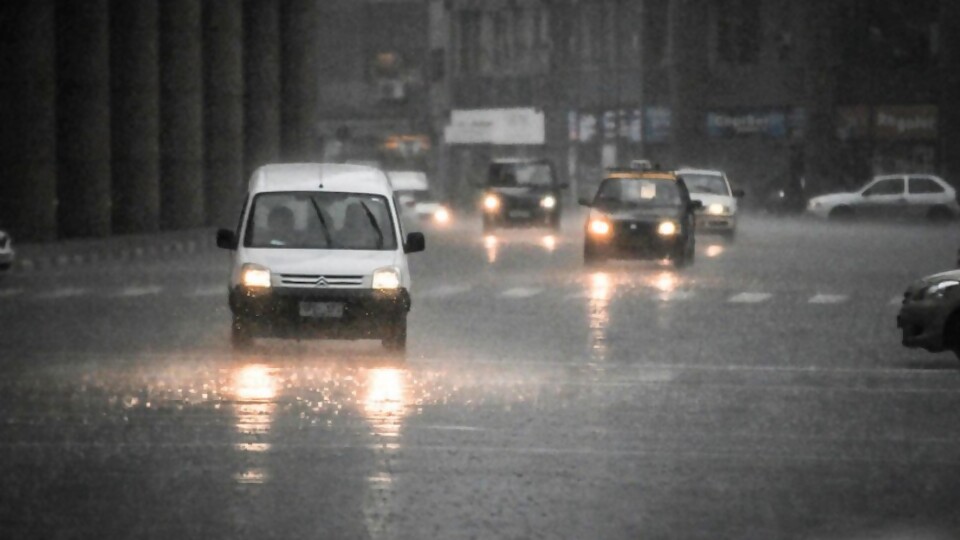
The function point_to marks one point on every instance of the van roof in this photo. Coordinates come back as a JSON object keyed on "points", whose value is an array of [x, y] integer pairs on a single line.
{"points": [[408, 180], [704, 172], [316, 176]]}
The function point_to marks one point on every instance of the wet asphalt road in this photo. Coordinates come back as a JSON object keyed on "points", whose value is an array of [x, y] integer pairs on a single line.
{"points": [[761, 393]]}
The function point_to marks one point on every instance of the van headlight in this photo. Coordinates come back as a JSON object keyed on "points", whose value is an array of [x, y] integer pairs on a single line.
{"points": [[442, 215], [599, 227], [667, 228], [549, 202], [717, 209], [386, 278], [491, 203], [255, 276]]}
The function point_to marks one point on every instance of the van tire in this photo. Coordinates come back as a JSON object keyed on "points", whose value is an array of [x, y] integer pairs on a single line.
{"points": [[241, 338], [395, 336]]}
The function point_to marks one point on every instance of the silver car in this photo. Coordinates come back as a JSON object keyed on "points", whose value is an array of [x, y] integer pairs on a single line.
{"points": [[930, 315]]}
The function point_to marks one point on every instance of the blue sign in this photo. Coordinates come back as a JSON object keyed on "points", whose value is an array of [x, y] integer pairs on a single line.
{"points": [[727, 125]]}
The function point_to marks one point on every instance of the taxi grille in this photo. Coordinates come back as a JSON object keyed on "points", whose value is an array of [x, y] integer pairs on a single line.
{"points": [[317, 280]]}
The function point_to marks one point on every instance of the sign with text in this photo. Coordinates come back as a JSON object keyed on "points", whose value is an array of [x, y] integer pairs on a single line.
{"points": [[730, 124], [911, 122], [496, 126]]}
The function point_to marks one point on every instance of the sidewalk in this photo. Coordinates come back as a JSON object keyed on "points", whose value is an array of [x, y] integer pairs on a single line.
{"points": [[158, 246]]}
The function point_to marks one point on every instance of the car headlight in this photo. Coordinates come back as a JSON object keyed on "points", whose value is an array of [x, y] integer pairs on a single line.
{"points": [[386, 278], [491, 203], [255, 276], [667, 228], [599, 227], [813, 205], [938, 290], [717, 209], [442, 215], [549, 202]]}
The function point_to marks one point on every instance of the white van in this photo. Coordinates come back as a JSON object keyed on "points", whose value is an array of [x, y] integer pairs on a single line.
{"points": [[320, 252]]}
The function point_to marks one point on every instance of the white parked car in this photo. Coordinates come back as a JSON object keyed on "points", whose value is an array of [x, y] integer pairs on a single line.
{"points": [[892, 196], [7, 254], [712, 188], [416, 200], [320, 253]]}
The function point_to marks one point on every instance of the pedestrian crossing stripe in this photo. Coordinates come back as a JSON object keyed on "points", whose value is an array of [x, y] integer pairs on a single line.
{"points": [[134, 292], [749, 298], [521, 292], [828, 299], [63, 292]]}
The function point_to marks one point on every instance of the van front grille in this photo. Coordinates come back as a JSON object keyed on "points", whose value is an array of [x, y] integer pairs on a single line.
{"points": [[321, 281]]}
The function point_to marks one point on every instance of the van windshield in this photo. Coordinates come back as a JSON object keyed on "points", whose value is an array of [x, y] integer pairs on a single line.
{"points": [[314, 220], [520, 175]]}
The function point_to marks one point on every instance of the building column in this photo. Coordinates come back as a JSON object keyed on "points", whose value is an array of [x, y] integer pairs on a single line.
{"points": [[299, 80], [821, 51], [135, 72], [28, 124], [83, 105], [262, 83], [949, 152], [181, 115], [688, 22], [223, 83]]}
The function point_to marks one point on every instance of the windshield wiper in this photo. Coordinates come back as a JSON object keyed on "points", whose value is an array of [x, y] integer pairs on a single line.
{"points": [[373, 222], [323, 223]]}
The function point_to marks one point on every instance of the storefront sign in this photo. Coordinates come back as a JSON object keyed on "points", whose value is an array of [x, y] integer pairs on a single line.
{"points": [[906, 122], [657, 124], [725, 125], [496, 126]]}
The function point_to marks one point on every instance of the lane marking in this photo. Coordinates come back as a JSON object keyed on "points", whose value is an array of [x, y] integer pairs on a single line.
{"points": [[136, 291], [749, 298], [521, 292], [444, 291], [213, 290], [7, 293], [828, 299], [63, 292]]}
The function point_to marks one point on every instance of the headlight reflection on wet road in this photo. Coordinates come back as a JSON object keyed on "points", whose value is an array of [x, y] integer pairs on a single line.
{"points": [[254, 391], [598, 306]]}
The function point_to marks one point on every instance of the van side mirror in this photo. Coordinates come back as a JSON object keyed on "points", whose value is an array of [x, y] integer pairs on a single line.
{"points": [[585, 201], [415, 243], [696, 204], [226, 239], [739, 193]]}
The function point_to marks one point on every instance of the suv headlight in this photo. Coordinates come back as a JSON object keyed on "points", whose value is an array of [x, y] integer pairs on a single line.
{"points": [[255, 276], [938, 290], [549, 202], [386, 278], [667, 228], [491, 203]]}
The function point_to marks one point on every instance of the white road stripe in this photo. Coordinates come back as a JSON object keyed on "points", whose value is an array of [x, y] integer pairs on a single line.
{"points": [[443, 291], [7, 293], [521, 292], [749, 298], [213, 290], [828, 299], [135, 291], [63, 292]]}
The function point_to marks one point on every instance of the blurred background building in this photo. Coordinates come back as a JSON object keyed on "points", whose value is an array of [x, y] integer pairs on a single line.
{"points": [[127, 117]]}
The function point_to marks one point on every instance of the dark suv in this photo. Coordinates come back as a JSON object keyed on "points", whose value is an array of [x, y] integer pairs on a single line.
{"points": [[640, 215], [521, 191]]}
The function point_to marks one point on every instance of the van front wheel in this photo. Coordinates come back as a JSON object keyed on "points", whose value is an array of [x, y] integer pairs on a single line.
{"points": [[395, 336]]}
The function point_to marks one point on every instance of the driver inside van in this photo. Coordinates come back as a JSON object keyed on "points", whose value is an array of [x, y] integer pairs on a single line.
{"points": [[357, 232], [280, 223]]}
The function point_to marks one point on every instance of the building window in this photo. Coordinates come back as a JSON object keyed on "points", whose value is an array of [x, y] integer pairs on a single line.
{"points": [[738, 31]]}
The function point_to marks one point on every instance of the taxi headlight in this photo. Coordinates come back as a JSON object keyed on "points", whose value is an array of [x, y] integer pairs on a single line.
{"points": [[667, 228], [600, 227], [386, 278], [549, 202], [491, 203], [717, 209], [442, 215], [938, 290], [255, 276]]}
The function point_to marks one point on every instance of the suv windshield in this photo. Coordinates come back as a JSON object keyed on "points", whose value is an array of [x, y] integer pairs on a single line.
{"points": [[313, 220], [637, 192], [711, 184], [520, 175]]}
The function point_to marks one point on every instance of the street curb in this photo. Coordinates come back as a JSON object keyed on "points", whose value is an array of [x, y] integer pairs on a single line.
{"points": [[162, 246]]}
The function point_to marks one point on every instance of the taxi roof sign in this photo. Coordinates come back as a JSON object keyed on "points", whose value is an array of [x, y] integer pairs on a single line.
{"points": [[641, 175]]}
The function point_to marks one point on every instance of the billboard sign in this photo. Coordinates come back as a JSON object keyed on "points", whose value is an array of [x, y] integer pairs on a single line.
{"points": [[496, 126]]}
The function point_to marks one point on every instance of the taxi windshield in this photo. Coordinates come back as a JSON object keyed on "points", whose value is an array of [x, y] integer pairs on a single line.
{"points": [[711, 184], [305, 220], [637, 192]]}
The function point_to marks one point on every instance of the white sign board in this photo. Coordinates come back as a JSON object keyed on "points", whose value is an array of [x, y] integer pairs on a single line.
{"points": [[496, 126]]}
